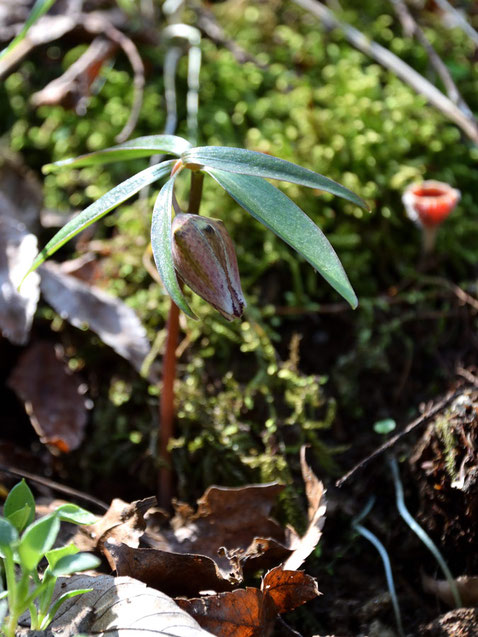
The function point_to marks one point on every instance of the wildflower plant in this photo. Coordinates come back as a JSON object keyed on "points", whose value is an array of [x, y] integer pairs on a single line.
{"points": [[241, 173], [24, 543]]}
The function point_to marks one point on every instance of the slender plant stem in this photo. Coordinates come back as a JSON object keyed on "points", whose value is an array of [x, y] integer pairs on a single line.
{"points": [[166, 401], [166, 408], [197, 179], [417, 529]]}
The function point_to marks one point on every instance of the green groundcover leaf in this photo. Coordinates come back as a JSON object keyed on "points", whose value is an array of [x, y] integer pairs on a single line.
{"points": [[19, 506], [276, 211], [132, 149], [8, 534], [161, 238], [249, 162], [75, 514], [101, 207], [37, 539], [69, 564]]}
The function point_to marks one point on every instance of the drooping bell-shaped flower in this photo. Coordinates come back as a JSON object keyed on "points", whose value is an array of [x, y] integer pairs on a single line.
{"points": [[428, 204], [205, 259]]}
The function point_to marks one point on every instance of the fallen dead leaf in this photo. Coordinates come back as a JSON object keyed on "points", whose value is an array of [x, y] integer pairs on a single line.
{"points": [[242, 613], [81, 304], [177, 573], [252, 612], [16, 307], [52, 396], [289, 589], [118, 607], [21, 194], [467, 587], [122, 522], [315, 492], [226, 523]]}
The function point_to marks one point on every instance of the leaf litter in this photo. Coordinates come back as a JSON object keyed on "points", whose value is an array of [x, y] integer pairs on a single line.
{"points": [[205, 554]]}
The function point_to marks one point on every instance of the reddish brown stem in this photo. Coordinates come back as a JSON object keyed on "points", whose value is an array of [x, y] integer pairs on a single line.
{"points": [[166, 409]]}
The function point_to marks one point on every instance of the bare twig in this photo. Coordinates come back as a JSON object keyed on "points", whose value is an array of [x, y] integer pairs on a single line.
{"points": [[411, 26], [423, 418], [97, 23], [467, 375], [459, 19], [389, 60], [209, 26], [55, 486], [71, 89]]}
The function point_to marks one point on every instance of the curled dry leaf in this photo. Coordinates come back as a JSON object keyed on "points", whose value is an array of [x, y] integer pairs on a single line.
{"points": [[21, 195], [225, 524], [122, 522], [252, 612], [52, 396], [178, 574], [81, 304], [315, 493], [289, 589], [16, 307], [119, 607], [467, 587]]}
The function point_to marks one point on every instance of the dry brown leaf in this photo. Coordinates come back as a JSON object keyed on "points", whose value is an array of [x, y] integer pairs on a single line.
{"points": [[289, 589], [175, 573], [52, 396], [122, 522], [315, 493], [242, 613], [16, 307], [226, 523], [21, 195], [252, 612], [119, 607], [81, 304], [467, 587]]}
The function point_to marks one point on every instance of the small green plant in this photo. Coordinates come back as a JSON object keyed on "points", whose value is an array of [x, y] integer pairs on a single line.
{"points": [[24, 542]]}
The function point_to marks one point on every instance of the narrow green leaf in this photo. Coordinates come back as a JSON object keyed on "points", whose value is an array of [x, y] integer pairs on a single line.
{"points": [[276, 211], [8, 535], [75, 514], [55, 555], [75, 564], [249, 162], [39, 8], [101, 207], [37, 539], [161, 238], [54, 609], [132, 149], [19, 506]]}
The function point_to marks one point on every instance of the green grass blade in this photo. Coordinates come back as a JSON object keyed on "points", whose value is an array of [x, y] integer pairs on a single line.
{"points": [[132, 149], [249, 162], [276, 211], [39, 8], [101, 207], [161, 238]]}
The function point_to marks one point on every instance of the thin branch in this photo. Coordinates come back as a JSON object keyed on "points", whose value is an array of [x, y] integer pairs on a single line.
{"points": [[55, 486], [209, 26], [389, 60], [422, 419], [411, 26], [459, 19], [96, 23]]}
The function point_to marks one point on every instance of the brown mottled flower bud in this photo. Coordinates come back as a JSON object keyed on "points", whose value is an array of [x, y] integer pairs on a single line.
{"points": [[205, 259]]}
